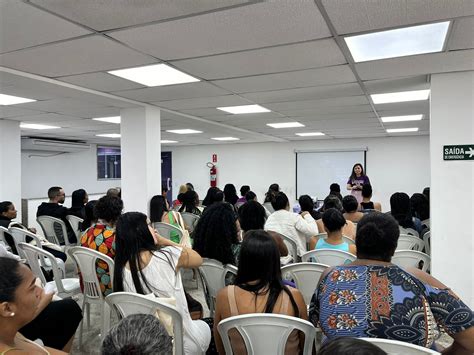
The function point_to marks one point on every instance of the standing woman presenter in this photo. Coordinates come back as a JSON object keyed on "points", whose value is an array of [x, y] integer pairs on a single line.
{"points": [[356, 181]]}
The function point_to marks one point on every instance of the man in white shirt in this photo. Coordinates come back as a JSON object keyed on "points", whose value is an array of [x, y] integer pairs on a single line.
{"points": [[300, 228]]}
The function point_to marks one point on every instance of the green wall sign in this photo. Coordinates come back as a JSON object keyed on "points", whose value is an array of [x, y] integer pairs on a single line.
{"points": [[458, 152]]}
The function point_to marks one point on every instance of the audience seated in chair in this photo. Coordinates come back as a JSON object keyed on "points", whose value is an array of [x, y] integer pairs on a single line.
{"points": [[214, 195], [420, 206], [89, 219], [350, 205], [190, 202], [408, 302], [27, 314], [298, 227], [400, 209], [335, 190], [179, 200], [307, 205], [366, 203], [79, 199], [147, 263], [230, 194], [258, 288], [101, 235], [273, 189], [331, 201], [159, 213], [243, 192], [55, 209]]}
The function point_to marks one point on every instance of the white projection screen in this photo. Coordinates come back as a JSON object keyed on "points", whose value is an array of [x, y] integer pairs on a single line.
{"points": [[316, 170]]}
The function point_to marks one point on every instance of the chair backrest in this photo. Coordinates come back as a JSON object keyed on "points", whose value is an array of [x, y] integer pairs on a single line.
{"points": [[229, 269], [3, 241], [54, 229], [19, 236], [165, 229], [292, 247], [212, 272], [269, 207], [75, 223], [331, 257], [409, 231], [306, 277], [395, 347], [33, 254], [411, 258], [427, 240], [410, 242], [86, 259], [426, 222], [266, 333], [127, 303], [190, 220]]}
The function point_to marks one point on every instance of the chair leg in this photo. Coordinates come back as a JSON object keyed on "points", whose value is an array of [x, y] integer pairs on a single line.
{"points": [[88, 315], [105, 313]]}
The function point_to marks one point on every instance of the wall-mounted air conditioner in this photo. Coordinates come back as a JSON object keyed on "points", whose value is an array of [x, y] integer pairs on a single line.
{"points": [[52, 145]]}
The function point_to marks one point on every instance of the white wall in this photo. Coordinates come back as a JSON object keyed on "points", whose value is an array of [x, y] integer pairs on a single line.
{"points": [[452, 190], [393, 164], [72, 171]]}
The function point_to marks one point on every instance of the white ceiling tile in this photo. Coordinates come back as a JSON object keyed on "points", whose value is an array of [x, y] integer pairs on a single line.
{"points": [[462, 36], [12, 111], [247, 27], [101, 82], [317, 92], [204, 102], [350, 16], [417, 65], [22, 25], [93, 53], [338, 116], [297, 79], [173, 92], [395, 85], [103, 15], [297, 56], [326, 110], [308, 104]]}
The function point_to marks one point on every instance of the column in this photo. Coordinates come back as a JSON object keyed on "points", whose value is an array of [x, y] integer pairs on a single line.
{"points": [[452, 183], [141, 157], [10, 167]]}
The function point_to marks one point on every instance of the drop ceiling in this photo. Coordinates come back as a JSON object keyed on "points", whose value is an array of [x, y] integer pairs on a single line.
{"points": [[284, 55]]}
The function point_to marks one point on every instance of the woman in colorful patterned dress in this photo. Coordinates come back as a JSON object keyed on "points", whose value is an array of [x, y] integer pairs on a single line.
{"points": [[101, 236], [372, 297]]}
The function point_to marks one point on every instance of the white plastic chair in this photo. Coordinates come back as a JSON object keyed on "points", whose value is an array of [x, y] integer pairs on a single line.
{"points": [[410, 242], [409, 231], [127, 303], [426, 222], [165, 229], [411, 258], [190, 220], [229, 269], [213, 275], [331, 257], [265, 333], [292, 247], [395, 347], [306, 277], [54, 230], [86, 259], [427, 240], [269, 207], [75, 223], [67, 287], [3, 241]]}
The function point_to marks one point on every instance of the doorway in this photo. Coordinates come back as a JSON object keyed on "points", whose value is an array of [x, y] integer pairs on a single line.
{"points": [[166, 174]]}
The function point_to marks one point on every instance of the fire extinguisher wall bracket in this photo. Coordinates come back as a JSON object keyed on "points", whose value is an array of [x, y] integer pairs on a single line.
{"points": [[212, 173]]}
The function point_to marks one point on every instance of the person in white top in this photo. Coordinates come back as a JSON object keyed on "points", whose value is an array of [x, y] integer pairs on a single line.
{"points": [[298, 227], [147, 263]]}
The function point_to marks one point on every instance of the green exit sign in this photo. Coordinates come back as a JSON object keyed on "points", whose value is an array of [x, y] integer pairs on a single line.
{"points": [[458, 152]]}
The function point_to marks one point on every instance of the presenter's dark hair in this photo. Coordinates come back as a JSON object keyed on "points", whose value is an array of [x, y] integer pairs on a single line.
{"points": [[280, 201], [353, 174], [350, 204], [349, 346], [367, 190], [377, 237], [251, 216], [333, 220], [157, 208]]}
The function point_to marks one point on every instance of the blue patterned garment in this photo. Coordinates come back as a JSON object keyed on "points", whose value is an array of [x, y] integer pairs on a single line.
{"points": [[385, 302]]}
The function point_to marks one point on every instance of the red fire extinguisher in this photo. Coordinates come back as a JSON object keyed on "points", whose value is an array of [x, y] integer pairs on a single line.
{"points": [[213, 174]]}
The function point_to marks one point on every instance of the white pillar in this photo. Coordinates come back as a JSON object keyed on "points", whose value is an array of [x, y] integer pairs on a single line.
{"points": [[10, 163], [452, 183], [141, 157]]}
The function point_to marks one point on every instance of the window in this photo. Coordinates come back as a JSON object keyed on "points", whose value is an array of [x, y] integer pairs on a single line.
{"points": [[108, 162]]}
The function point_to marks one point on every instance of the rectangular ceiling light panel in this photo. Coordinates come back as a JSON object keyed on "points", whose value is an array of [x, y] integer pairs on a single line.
{"points": [[37, 126], [225, 139], [310, 134], [114, 119], [285, 125], [109, 135], [399, 42], [166, 141], [238, 110], [154, 75], [13, 100], [183, 131], [401, 130], [403, 96], [401, 118]]}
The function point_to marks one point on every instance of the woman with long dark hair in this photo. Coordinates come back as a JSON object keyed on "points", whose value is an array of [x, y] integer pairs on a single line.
{"points": [[79, 199], [214, 194], [159, 212], [230, 194], [356, 181], [190, 201], [258, 288], [147, 263], [273, 189]]}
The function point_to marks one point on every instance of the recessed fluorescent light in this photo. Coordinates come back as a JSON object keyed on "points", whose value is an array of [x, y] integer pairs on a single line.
{"points": [[399, 42], [109, 135], [183, 131], [226, 139], [310, 134], [400, 130], [13, 100], [401, 118], [114, 119], [285, 125], [154, 75], [403, 96], [37, 126], [237, 110], [165, 141]]}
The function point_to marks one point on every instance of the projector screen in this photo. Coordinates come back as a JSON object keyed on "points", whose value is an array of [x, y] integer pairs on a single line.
{"points": [[316, 170]]}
